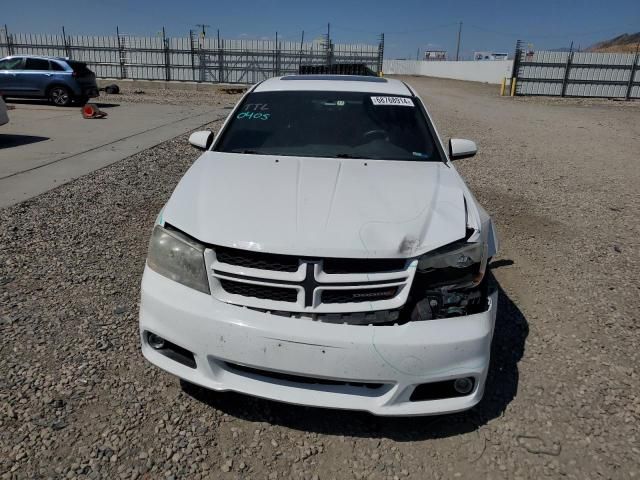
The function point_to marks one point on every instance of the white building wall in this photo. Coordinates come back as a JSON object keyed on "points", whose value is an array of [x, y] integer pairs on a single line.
{"points": [[487, 72]]}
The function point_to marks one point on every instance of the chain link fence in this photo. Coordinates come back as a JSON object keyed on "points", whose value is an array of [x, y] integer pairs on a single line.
{"points": [[197, 58]]}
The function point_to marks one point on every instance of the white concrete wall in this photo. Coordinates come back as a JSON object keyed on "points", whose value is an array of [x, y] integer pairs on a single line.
{"points": [[488, 72]]}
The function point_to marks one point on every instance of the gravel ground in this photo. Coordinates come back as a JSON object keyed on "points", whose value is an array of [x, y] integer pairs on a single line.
{"points": [[77, 400], [172, 96]]}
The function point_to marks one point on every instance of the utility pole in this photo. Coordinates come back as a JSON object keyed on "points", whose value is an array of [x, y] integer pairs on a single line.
{"points": [[418, 54], [203, 32], [458, 45]]}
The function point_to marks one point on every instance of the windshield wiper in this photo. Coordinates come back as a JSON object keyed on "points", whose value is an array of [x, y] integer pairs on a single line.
{"points": [[250, 152], [348, 155]]}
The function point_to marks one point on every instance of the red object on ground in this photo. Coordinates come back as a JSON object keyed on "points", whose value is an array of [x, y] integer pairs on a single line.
{"points": [[91, 110]]}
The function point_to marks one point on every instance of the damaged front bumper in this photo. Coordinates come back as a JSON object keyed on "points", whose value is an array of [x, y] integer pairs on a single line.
{"points": [[404, 369]]}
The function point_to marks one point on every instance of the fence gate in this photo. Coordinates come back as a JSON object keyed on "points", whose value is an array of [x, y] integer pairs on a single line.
{"points": [[576, 74]]}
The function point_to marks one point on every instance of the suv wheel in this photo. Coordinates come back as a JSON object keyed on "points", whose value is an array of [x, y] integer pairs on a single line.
{"points": [[60, 96]]}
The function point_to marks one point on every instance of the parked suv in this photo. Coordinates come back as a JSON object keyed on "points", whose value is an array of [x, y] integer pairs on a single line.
{"points": [[4, 117], [59, 80], [324, 251]]}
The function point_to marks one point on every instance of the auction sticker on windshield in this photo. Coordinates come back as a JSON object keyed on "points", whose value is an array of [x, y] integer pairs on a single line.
{"points": [[397, 101]]}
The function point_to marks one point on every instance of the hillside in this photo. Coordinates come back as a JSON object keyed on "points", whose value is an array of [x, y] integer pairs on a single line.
{"points": [[625, 43]]}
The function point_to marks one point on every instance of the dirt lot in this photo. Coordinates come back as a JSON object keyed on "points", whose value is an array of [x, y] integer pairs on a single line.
{"points": [[563, 398]]}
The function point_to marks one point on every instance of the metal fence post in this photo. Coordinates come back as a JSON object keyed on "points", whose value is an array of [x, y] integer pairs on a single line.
{"points": [[67, 47], [167, 57], [380, 54], [201, 60], [634, 68], [123, 72], [301, 47], [516, 60], [193, 56], [9, 40], [220, 59], [328, 52], [567, 70]]}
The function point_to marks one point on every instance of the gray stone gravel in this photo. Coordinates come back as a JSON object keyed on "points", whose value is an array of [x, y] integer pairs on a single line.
{"points": [[77, 400], [173, 96]]}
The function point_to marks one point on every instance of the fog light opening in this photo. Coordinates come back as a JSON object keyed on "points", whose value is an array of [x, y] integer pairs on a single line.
{"points": [[155, 341], [463, 385]]}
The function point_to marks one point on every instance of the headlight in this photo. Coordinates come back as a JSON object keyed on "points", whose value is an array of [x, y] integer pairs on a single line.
{"points": [[179, 258], [458, 265]]}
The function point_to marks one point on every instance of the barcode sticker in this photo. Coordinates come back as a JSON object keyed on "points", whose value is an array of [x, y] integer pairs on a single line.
{"points": [[396, 101]]}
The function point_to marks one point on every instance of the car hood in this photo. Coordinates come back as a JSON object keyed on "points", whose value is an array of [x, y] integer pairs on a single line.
{"points": [[319, 207]]}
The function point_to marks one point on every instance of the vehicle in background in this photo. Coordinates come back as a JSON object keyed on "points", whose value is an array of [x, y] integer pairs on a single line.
{"points": [[337, 69], [4, 116], [60, 80]]}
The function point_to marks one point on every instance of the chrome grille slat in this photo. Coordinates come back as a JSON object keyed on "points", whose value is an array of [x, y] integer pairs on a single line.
{"points": [[265, 292], [309, 288], [257, 260]]}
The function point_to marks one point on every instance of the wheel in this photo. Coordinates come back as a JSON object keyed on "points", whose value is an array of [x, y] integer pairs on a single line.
{"points": [[60, 96]]}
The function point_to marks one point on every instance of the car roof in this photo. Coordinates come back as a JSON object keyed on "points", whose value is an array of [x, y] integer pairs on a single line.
{"points": [[44, 57], [337, 83]]}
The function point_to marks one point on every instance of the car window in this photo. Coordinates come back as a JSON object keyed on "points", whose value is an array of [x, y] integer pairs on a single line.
{"points": [[330, 124], [56, 66], [79, 67], [36, 64], [11, 64]]}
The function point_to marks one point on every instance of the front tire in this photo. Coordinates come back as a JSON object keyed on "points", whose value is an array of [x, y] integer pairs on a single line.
{"points": [[60, 96]]}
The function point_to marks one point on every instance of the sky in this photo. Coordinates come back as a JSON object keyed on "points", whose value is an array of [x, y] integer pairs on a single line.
{"points": [[409, 25]]}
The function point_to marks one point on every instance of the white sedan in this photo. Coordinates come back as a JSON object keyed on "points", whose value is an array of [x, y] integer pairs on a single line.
{"points": [[324, 251]]}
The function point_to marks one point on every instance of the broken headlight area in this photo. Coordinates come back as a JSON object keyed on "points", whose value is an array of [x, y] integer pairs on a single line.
{"points": [[449, 282], [436, 304]]}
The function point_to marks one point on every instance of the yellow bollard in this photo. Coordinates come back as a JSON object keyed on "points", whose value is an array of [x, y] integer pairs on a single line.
{"points": [[502, 85], [513, 86]]}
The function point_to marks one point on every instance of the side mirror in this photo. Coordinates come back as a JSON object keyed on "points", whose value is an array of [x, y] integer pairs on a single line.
{"points": [[202, 139], [460, 148]]}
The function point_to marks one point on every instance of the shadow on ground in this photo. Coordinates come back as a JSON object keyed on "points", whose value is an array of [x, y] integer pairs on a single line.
{"points": [[502, 385], [46, 103], [13, 140]]}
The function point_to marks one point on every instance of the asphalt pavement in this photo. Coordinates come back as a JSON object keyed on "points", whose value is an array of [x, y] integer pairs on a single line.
{"points": [[44, 146]]}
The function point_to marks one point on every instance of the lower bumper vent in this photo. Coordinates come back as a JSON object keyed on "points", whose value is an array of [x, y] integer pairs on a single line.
{"points": [[298, 378]]}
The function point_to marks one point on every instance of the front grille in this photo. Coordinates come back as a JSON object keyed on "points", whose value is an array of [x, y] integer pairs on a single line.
{"points": [[360, 295], [258, 260], [298, 378], [362, 265], [310, 284], [277, 294]]}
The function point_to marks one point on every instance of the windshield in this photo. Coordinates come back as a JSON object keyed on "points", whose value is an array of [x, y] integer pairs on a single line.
{"points": [[330, 124]]}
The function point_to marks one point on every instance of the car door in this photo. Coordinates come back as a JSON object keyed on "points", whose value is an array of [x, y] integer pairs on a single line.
{"points": [[34, 77], [9, 68]]}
